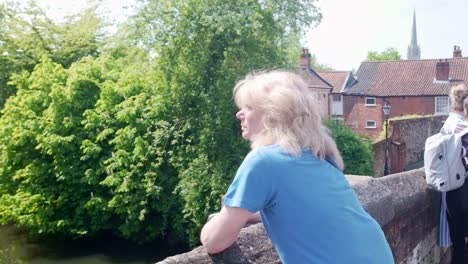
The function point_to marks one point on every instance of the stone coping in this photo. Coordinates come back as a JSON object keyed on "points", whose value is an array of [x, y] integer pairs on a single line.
{"points": [[384, 198]]}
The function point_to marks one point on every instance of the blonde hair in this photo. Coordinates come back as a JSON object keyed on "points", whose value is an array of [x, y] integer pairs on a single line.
{"points": [[457, 95], [465, 108], [291, 114]]}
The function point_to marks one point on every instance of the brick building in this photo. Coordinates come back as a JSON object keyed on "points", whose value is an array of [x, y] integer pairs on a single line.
{"points": [[316, 83], [340, 81], [409, 86]]}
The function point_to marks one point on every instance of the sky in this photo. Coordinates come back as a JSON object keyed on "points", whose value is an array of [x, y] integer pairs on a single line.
{"points": [[349, 29], [115, 10]]}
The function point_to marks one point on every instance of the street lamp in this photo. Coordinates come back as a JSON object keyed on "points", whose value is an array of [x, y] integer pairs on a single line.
{"points": [[386, 111]]}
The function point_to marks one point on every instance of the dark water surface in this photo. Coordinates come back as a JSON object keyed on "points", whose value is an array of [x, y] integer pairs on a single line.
{"points": [[17, 248]]}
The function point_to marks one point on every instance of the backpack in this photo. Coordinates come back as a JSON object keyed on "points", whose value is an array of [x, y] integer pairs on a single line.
{"points": [[443, 161]]}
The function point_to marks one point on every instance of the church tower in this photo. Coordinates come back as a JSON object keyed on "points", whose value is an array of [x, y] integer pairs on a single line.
{"points": [[414, 53]]}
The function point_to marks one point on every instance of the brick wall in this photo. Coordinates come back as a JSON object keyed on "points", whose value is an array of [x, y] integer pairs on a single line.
{"points": [[406, 143], [356, 112]]}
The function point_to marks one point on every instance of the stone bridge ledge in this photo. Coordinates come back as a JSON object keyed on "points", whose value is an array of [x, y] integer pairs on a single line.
{"points": [[401, 204]]}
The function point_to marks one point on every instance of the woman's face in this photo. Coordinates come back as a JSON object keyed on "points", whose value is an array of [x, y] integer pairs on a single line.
{"points": [[250, 121]]}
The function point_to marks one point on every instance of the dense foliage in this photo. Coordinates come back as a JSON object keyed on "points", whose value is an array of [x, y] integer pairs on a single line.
{"points": [[137, 136], [27, 34], [356, 151]]}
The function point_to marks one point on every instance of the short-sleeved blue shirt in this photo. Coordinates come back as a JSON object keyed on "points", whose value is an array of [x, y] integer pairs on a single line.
{"points": [[308, 208]]}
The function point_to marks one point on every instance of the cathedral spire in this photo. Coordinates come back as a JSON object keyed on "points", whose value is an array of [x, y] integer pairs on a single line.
{"points": [[414, 53]]}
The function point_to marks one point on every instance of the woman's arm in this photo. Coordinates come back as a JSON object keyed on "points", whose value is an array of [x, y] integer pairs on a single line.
{"points": [[254, 218], [222, 230]]}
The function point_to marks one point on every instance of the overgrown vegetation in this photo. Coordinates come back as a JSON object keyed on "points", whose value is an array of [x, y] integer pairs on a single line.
{"points": [[356, 150], [135, 133], [27, 34], [132, 133]]}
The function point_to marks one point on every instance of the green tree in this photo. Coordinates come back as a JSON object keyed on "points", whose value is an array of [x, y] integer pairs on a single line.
{"points": [[356, 151], [39, 149], [27, 34], [317, 66], [386, 55], [201, 49], [141, 140]]}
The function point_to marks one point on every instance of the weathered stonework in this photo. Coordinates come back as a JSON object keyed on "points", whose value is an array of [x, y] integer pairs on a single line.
{"points": [[400, 203], [426, 251], [406, 143], [252, 246]]}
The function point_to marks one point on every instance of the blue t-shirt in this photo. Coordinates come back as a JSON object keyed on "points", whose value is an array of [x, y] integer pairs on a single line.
{"points": [[308, 208]]}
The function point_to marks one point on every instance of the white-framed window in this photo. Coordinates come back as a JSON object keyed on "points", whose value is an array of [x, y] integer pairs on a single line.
{"points": [[441, 105], [336, 97], [371, 124], [369, 101]]}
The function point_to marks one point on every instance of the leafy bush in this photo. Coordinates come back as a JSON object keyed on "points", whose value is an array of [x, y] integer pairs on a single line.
{"points": [[356, 150], [141, 141]]}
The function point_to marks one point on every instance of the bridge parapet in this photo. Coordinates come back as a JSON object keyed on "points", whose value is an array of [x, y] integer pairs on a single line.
{"points": [[405, 209]]}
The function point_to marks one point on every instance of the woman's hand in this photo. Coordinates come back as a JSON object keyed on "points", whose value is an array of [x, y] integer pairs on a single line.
{"points": [[221, 231]]}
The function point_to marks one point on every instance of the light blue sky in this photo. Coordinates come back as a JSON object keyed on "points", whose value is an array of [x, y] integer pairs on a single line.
{"points": [[350, 29]]}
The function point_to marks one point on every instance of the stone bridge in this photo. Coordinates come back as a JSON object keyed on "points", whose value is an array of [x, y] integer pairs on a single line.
{"points": [[405, 209]]}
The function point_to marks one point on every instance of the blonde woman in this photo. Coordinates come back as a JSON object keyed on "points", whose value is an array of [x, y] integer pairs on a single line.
{"points": [[457, 94], [292, 178]]}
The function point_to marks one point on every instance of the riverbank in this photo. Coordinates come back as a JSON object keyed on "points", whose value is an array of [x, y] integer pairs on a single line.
{"points": [[16, 247]]}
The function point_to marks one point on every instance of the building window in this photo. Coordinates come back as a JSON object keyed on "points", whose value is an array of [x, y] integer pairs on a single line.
{"points": [[336, 97], [370, 101], [370, 124], [441, 105]]}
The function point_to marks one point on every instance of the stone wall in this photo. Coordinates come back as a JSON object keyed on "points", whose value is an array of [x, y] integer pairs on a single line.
{"points": [[379, 158], [401, 204], [406, 143]]}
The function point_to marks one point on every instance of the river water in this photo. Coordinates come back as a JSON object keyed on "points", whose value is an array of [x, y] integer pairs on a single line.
{"points": [[17, 248]]}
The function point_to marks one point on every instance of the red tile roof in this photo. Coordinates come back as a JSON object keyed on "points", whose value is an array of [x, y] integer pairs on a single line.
{"points": [[337, 79], [314, 80], [407, 77]]}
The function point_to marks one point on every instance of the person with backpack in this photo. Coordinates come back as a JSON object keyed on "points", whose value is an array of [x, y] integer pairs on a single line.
{"points": [[452, 228], [293, 177]]}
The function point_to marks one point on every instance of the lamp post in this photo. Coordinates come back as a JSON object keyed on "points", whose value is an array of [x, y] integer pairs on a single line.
{"points": [[386, 111]]}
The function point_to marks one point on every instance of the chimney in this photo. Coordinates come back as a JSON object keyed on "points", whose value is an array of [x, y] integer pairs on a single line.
{"points": [[305, 59], [457, 52], [442, 70]]}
